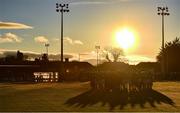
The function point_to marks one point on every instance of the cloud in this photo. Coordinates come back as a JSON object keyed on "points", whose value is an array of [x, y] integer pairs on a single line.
{"points": [[10, 38], [78, 42], [41, 39], [55, 39], [68, 40], [12, 25], [72, 42]]}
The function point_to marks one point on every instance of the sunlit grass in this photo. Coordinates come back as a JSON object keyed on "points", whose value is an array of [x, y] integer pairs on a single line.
{"points": [[52, 96]]}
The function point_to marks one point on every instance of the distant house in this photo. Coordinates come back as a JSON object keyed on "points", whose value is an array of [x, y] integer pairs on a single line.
{"points": [[74, 70]]}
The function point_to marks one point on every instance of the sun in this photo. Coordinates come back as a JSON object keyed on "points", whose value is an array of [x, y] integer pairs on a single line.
{"points": [[125, 38]]}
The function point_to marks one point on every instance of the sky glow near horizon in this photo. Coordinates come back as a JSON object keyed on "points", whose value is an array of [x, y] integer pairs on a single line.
{"points": [[27, 25]]}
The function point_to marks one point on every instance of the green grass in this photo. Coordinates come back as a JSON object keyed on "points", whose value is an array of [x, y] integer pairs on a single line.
{"points": [[53, 96]]}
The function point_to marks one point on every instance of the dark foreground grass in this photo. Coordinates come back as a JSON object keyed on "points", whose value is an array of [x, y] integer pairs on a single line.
{"points": [[79, 97]]}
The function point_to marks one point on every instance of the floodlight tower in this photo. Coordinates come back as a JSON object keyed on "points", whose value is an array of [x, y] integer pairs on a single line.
{"points": [[62, 8], [47, 45], [163, 11], [80, 56], [97, 50]]}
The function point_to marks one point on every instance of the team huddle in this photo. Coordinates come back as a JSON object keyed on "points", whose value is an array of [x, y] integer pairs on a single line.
{"points": [[121, 81]]}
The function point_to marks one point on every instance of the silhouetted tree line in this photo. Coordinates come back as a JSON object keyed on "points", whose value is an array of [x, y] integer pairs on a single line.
{"points": [[20, 57], [172, 59], [14, 58]]}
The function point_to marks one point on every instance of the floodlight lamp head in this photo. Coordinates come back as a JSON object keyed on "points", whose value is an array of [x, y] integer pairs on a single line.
{"points": [[163, 8], [57, 5], [62, 5], [97, 47], [67, 6], [67, 10], [159, 8], [167, 9], [57, 10], [47, 45], [61, 10]]}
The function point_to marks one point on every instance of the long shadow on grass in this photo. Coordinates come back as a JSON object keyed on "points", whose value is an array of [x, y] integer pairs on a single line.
{"points": [[119, 98]]}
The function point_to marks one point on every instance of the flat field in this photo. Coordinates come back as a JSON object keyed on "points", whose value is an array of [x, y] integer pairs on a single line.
{"points": [[78, 97]]}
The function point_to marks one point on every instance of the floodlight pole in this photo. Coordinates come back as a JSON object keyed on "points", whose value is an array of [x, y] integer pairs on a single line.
{"points": [[47, 45], [62, 36], [62, 8], [163, 11], [80, 56], [97, 48]]}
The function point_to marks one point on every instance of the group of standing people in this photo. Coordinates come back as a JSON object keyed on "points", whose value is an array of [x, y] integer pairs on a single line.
{"points": [[110, 81]]}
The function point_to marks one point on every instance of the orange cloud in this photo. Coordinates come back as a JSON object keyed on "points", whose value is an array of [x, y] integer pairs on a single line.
{"points": [[12, 25], [10, 38], [41, 39]]}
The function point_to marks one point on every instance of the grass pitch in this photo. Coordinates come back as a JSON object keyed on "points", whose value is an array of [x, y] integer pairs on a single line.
{"points": [[77, 97]]}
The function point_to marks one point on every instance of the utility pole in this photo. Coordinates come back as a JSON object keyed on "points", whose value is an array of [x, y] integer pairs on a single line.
{"points": [[47, 45], [97, 50], [163, 11], [79, 57], [80, 54], [62, 8]]}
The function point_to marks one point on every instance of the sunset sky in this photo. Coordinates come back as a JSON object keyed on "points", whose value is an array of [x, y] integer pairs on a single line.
{"points": [[27, 24]]}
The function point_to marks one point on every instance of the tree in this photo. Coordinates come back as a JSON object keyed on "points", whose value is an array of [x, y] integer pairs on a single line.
{"points": [[171, 55], [25, 57], [45, 57], [20, 56], [10, 58], [115, 53]]}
